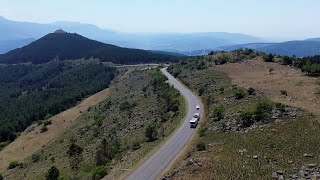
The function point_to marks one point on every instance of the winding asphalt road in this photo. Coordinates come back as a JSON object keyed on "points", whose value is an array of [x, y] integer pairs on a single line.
{"points": [[157, 162]]}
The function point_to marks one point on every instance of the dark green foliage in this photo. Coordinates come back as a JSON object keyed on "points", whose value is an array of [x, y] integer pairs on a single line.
{"points": [[246, 119], [210, 99], [75, 156], [201, 91], [167, 96], [1, 177], [99, 172], [263, 110], [53, 173], [281, 107], [218, 112], [124, 106], [14, 164], [73, 46], [239, 93], [251, 91], [33, 92], [44, 129], [151, 132], [35, 157], [286, 60], [201, 146], [268, 58], [176, 73]]}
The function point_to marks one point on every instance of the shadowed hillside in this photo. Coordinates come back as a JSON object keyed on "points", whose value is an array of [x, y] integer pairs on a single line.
{"points": [[73, 46]]}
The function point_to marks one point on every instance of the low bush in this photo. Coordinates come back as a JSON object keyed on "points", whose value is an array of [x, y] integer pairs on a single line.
{"points": [[239, 93], [251, 91], [263, 110], [284, 92], [246, 118], [218, 112], [13, 164], [201, 146]]}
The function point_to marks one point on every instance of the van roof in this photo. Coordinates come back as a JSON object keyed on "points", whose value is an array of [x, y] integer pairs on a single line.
{"points": [[193, 120]]}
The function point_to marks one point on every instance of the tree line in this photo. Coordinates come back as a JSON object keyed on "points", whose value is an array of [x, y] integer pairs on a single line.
{"points": [[29, 93]]}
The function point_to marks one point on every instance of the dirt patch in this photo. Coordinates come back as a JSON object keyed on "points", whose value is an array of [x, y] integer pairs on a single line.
{"points": [[31, 140], [255, 73]]}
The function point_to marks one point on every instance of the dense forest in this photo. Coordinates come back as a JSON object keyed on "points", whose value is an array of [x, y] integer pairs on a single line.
{"points": [[73, 46], [31, 92]]}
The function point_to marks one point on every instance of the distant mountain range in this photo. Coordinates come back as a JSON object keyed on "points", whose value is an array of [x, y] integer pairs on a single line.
{"points": [[61, 45], [309, 47], [17, 33]]}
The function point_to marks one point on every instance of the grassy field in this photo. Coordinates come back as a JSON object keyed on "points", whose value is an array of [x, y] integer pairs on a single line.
{"points": [[121, 120], [285, 144]]}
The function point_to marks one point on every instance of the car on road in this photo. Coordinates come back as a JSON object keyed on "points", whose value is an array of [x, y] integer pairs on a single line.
{"points": [[194, 122], [196, 115], [198, 107]]}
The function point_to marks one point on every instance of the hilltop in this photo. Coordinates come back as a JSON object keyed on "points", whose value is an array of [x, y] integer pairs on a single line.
{"points": [[63, 46]]}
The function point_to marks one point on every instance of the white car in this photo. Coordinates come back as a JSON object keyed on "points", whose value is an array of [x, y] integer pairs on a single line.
{"points": [[193, 122], [197, 107]]}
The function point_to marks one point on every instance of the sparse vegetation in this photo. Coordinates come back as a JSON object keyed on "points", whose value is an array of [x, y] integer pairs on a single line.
{"points": [[271, 70], [201, 146], [14, 164], [229, 154], [284, 92]]}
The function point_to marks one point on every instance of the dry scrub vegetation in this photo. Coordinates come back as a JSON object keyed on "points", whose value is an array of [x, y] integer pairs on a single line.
{"points": [[245, 135]]}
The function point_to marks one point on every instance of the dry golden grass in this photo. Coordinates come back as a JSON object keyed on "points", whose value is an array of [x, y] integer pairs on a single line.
{"points": [[301, 89], [31, 140]]}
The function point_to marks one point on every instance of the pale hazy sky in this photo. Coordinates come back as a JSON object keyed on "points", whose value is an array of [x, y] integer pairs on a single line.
{"points": [[264, 18]]}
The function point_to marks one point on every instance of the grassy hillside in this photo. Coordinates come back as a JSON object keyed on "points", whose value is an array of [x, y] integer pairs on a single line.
{"points": [[244, 135], [30, 93], [65, 46], [112, 136]]}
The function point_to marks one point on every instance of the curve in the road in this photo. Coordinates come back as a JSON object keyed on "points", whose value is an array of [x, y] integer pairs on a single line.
{"points": [[157, 162]]}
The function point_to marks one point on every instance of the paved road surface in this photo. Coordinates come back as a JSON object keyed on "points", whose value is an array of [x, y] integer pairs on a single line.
{"points": [[157, 162]]}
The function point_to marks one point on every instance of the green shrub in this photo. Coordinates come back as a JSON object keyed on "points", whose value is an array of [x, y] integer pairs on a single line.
{"points": [[263, 110], [13, 164], [1, 177], [53, 173], [127, 105], [268, 58], [246, 118], [44, 129], [239, 93], [251, 91], [281, 107], [135, 145], [201, 146], [35, 157], [99, 172], [151, 132], [218, 112]]}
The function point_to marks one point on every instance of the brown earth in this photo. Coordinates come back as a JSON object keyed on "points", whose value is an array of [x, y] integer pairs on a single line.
{"points": [[255, 73], [31, 140]]}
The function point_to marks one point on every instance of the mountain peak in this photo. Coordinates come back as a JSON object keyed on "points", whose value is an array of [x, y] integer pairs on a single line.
{"points": [[60, 31]]}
